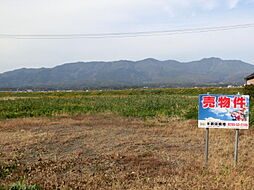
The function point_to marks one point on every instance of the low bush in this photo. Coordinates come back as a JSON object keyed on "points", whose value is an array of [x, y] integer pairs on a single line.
{"points": [[249, 90]]}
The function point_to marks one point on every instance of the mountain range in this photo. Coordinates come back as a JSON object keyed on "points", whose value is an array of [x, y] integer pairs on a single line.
{"points": [[148, 72]]}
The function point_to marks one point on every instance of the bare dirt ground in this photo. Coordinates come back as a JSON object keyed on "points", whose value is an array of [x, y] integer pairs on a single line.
{"points": [[110, 152]]}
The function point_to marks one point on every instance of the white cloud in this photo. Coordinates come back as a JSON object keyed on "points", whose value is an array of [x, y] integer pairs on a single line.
{"points": [[233, 3], [210, 4], [213, 119], [218, 110], [222, 112]]}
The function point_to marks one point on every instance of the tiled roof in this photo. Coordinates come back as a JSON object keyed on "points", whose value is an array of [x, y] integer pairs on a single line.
{"points": [[250, 76]]}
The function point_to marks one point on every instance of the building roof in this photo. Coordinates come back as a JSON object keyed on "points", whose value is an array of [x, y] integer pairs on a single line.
{"points": [[251, 76]]}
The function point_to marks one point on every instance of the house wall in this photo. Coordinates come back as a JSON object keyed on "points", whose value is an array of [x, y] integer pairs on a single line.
{"points": [[251, 81]]}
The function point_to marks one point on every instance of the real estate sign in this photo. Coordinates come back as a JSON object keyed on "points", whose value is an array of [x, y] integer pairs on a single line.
{"points": [[223, 111]]}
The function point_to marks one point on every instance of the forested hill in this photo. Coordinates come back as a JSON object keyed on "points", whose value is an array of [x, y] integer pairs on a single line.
{"points": [[147, 72]]}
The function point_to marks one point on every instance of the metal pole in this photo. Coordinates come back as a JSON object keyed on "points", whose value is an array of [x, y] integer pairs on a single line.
{"points": [[236, 146], [236, 143], [206, 145]]}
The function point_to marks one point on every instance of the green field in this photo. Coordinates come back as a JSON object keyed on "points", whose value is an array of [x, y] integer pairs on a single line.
{"points": [[176, 103], [166, 91]]}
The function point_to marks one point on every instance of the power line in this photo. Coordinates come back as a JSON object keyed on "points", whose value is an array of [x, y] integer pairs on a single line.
{"points": [[126, 34]]}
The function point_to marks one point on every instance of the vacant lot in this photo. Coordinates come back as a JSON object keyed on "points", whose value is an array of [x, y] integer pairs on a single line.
{"points": [[132, 139], [106, 151]]}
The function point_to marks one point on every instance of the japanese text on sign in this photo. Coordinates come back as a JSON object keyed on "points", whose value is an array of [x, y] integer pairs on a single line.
{"points": [[223, 102]]}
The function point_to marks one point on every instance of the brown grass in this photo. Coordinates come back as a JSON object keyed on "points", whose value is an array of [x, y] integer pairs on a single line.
{"points": [[111, 152]]}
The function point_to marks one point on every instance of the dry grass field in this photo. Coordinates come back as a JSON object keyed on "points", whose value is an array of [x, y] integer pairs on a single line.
{"points": [[106, 151]]}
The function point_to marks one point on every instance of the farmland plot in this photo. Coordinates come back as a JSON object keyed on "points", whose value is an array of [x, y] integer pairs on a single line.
{"points": [[117, 142]]}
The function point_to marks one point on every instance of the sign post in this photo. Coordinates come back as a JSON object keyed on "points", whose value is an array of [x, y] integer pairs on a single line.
{"points": [[223, 111], [206, 145], [236, 146]]}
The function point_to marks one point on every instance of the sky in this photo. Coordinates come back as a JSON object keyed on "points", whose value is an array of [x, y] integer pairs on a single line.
{"points": [[110, 16]]}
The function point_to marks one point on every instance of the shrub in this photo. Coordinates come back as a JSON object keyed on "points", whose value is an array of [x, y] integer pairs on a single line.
{"points": [[249, 90]]}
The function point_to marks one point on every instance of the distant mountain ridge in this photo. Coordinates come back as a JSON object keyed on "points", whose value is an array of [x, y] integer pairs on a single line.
{"points": [[147, 72]]}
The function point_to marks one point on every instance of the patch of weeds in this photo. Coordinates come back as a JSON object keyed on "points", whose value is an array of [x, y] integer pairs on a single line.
{"points": [[27, 170], [145, 154], [224, 170], [20, 185], [7, 169], [205, 171]]}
